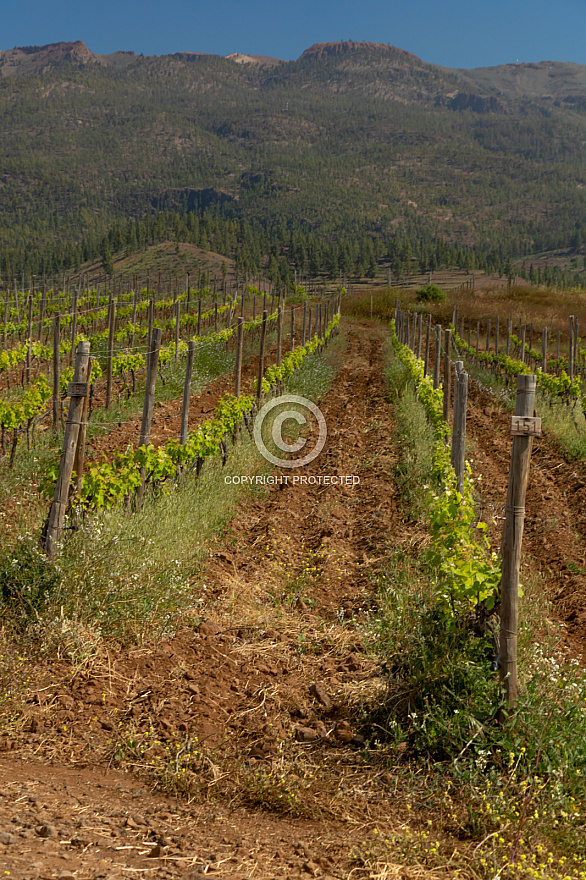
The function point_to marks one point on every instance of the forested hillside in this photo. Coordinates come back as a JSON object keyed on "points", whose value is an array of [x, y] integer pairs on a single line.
{"points": [[350, 139]]}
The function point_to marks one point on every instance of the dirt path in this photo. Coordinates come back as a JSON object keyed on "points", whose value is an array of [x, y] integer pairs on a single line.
{"points": [[250, 713]]}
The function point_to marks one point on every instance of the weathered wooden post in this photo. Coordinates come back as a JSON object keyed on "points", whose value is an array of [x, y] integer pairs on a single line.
{"points": [[447, 374], [78, 390], [149, 391], [6, 313], [56, 370], [79, 463], [426, 355], [111, 325], [458, 454], [29, 338], [292, 345], [42, 311], [279, 333], [151, 325], [177, 320], [437, 362], [73, 323], [419, 333], [261, 356], [187, 393], [571, 349], [544, 350], [238, 369], [304, 330], [523, 428]]}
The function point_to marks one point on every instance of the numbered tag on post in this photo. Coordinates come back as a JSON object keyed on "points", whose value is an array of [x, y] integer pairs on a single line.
{"points": [[525, 426]]}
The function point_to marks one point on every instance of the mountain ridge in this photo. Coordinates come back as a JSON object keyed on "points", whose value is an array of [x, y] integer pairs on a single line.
{"points": [[348, 137], [551, 80]]}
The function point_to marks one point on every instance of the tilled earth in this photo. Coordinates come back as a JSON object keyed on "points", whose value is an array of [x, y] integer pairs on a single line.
{"points": [[554, 539], [254, 707], [234, 749]]}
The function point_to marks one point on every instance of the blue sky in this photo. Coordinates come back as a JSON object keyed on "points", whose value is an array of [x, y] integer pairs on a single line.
{"points": [[455, 33]]}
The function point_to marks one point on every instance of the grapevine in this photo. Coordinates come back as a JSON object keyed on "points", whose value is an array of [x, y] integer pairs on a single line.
{"points": [[465, 570]]}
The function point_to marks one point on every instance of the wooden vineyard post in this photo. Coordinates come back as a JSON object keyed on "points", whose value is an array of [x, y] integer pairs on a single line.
{"points": [[488, 335], [149, 391], [6, 307], [78, 390], [419, 332], [571, 349], [523, 344], [426, 356], [238, 369], [73, 324], [177, 319], [56, 370], [557, 352], [292, 345], [496, 337], [151, 324], [29, 338], [544, 350], [215, 317], [309, 325], [149, 402], [42, 311], [16, 301], [508, 345], [459, 426], [79, 463], [199, 316], [111, 323], [187, 392], [477, 340], [447, 374], [523, 427], [436, 366], [304, 323], [134, 310], [261, 356], [254, 307], [279, 334]]}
